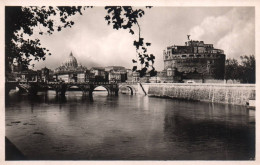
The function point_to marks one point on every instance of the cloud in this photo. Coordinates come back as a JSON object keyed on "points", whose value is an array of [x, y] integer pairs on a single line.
{"points": [[115, 48], [94, 43], [238, 42], [233, 32]]}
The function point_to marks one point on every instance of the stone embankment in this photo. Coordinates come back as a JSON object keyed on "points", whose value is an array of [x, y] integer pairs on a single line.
{"points": [[236, 94]]}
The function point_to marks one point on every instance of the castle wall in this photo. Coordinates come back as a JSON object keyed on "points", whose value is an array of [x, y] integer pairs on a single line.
{"points": [[210, 67], [237, 94]]}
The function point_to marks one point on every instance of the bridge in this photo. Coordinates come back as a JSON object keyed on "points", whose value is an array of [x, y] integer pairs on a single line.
{"points": [[32, 87]]}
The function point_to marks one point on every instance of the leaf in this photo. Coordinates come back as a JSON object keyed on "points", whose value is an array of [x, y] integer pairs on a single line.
{"points": [[134, 68], [146, 64], [141, 41], [143, 72], [141, 60], [107, 17], [148, 44], [134, 61], [153, 73], [131, 31], [136, 44], [152, 56]]}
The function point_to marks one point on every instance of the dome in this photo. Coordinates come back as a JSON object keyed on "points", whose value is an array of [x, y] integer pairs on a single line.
{"points": [[71, 61]]}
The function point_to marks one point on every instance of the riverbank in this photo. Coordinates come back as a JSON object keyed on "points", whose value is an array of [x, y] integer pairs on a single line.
{"points": [[235, 94]]}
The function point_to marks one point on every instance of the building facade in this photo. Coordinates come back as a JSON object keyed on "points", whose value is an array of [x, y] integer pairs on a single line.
{"points": [[71, 71], [194, 60], [116, 73]]}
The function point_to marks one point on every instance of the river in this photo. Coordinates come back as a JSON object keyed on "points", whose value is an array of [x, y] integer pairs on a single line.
{"points": [[127, 127]]}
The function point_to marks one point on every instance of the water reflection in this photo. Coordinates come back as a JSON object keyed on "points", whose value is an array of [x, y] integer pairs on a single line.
{"points": [[219, 128], [127, 128]]}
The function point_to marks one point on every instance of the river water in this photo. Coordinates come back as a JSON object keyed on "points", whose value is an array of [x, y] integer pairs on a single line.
{"points": [[127, 127]]}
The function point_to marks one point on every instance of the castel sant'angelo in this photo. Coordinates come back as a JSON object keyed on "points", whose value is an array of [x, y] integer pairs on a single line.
{"points": [[194, 60]]}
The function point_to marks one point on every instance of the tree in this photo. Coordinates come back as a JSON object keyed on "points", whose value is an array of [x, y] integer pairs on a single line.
{"points": [[125, 17], [244, 71], [22, 21], [232, 70], [248, 68]]}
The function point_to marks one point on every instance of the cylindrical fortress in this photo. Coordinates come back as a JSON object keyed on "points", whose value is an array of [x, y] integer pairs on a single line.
{"points": [[196, 60]]}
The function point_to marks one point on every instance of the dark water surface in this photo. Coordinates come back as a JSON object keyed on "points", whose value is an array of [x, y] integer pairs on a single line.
{"points": [[126, 127]]}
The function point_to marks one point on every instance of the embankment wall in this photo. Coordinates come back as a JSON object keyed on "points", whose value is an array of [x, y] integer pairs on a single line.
{"points": [[237, 94]]}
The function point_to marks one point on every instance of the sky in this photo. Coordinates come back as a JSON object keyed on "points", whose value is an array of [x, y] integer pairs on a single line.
{"points": [[94, 43]]}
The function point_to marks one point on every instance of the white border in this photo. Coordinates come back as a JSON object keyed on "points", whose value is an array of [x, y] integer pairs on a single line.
{"points": [[178, 3]]}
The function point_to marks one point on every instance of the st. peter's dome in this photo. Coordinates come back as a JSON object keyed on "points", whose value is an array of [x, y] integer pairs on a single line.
{"points": [[70, 62]]}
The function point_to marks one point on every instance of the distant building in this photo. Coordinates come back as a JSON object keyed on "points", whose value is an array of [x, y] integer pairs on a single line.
{"points": [[136, 77], [116, 73], [195, 60], [70, 64], [115, 68], [45, 74], [99, 73], [70, 71], [25, 76], [117, 76]]}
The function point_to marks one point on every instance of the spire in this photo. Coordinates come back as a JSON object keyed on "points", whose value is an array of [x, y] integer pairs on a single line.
{"points": [[71, 53]]}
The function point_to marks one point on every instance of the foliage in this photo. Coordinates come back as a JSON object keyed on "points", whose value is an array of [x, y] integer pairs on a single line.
{"points": [[21, 21], [232, 69], [244, 71], [248, 68], [125, 17]]}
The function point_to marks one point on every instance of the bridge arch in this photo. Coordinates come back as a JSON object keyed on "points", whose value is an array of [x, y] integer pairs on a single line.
{"points": [[132, 89], [74, 87], [104, 86]]}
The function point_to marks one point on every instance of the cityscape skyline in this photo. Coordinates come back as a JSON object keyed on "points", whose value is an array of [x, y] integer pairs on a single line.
{"points": [[105, 46]]}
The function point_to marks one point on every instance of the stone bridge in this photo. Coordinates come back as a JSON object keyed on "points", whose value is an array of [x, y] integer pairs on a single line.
{"points": [[32, 87], [60, 87]]}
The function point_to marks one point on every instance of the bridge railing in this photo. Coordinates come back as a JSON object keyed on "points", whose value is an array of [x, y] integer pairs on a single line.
{"points": [[23, 82], [67, 83], [83, 83], [129, 83]]}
